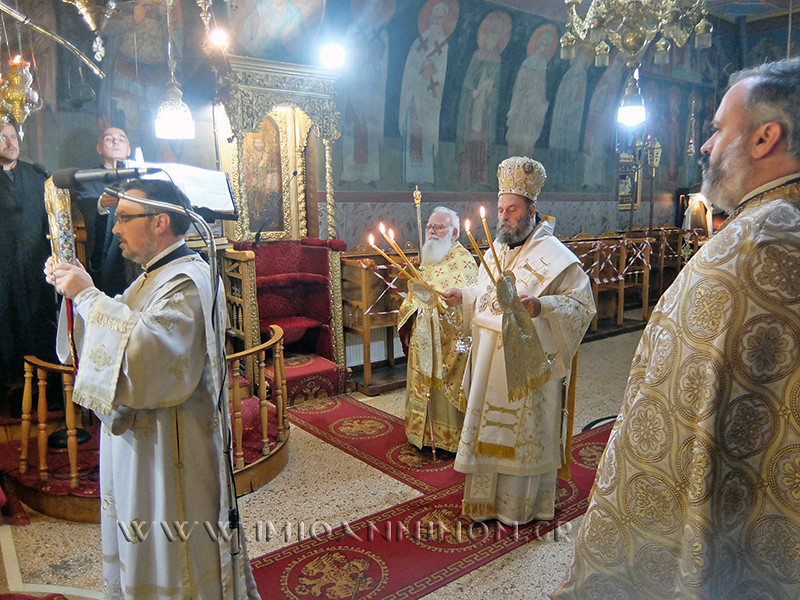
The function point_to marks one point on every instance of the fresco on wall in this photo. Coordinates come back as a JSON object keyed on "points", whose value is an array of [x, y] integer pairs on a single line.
{"points": [[422, 90], [362, 91], [275, 29], [529, 101], [599, 137], [477, 106], [473, 84]]}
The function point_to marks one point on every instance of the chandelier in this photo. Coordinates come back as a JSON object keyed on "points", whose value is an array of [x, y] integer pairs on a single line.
{"points": [[631, 25], [173, 118]]}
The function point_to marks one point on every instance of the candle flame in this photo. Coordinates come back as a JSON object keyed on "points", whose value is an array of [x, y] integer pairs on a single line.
{"points": [[483, 212], [371, 239], [382, 228], [391, 234], [466, 225]]}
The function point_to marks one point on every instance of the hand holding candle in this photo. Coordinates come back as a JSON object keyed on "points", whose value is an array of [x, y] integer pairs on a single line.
{"points": [[393, 244], [478, 252], [402, 271], [489, 238]]}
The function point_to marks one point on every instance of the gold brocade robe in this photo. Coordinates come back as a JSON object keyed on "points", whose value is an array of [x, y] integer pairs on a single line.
{"points": [[697, 495], [458, 269]]}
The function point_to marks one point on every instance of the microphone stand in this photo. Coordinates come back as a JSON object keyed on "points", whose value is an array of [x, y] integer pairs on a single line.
{"points": [[234, 518], [257, 241]]}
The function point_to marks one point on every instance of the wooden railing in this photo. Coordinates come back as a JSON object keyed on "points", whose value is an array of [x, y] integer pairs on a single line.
{"points": [[257, 386]]}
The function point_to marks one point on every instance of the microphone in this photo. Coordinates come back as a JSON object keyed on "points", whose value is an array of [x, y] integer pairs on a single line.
{"points": [[69, 178], [257, 241]]}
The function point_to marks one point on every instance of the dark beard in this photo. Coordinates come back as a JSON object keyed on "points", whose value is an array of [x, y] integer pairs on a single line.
{"points": [[518, 234]]}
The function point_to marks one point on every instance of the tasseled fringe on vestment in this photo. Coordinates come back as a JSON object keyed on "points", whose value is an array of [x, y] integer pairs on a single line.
{"points": [[532, 385], [489, 449], [431, 382], [93, 403], [481, 509], [462, 400]]}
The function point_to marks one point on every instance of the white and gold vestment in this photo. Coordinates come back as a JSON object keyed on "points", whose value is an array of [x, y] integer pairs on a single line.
{"points": [[150, 365], [511, 447]]}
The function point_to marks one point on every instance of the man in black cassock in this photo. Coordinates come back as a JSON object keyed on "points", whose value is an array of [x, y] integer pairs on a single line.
{"points": [[106, 265], [27, 303]]}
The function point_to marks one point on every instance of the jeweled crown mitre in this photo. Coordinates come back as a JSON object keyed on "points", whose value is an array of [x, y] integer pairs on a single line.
{"points": [[520, 175]]}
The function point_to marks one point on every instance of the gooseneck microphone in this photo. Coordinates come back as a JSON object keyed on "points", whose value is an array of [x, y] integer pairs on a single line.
{"points": [[69, 178]]}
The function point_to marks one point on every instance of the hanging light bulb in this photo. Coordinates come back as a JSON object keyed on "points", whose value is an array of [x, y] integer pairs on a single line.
{"points": [[631, 110], [173, 119]]}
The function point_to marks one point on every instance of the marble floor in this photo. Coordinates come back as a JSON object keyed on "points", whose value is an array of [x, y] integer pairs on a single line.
{"points": [[51, 556]]}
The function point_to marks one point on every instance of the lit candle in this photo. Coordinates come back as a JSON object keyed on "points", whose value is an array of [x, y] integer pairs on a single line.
{"points": [[489, 238], [402, 271], [390, 238], [478, 251]]}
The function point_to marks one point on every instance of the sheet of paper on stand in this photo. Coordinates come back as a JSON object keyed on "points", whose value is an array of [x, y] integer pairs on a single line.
{"points": [[206, 188]]}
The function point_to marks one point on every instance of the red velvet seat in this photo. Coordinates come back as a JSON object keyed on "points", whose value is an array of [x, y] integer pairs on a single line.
{"points": [[293, 291], [287, 283]]}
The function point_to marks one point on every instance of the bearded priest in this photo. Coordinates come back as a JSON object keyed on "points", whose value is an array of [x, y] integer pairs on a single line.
{"points": [[525, 330], [437, 344]]}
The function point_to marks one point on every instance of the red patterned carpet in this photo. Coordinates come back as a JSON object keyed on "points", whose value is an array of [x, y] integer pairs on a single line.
{"points": [[411, 549], [58, 481], [311, 378], [377, 438]]}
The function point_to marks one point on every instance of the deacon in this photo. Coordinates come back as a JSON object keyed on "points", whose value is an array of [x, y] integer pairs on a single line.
{"points": [[151, 365], [438, 348], [698, 491], [511, 442]]}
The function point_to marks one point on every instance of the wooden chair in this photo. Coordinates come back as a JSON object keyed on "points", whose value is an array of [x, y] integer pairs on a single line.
{"points": [[604, 262], [637, 269], [43, 369], [296, 285], [608, 274], [667, 259]]}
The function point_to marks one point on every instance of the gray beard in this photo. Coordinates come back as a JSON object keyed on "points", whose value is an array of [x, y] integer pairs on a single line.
{"points": [[434, 251], [517, 234], [723, 183]]}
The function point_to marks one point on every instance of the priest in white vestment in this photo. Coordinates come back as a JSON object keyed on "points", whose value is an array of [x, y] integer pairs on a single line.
{"points": [[697, 494], [152, 367], [511, 442]]}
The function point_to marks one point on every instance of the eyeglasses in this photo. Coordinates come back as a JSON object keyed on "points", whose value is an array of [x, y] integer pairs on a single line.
{"points": [[437, 227], [127, 218]]}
